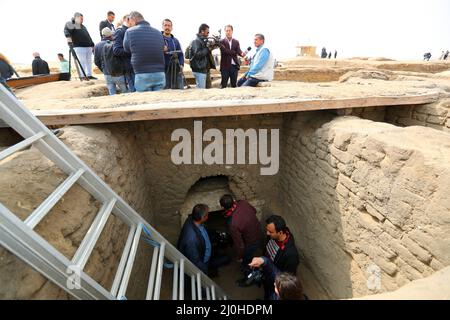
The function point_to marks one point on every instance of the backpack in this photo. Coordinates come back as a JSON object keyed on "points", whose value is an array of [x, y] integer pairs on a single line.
{"points": [[113, 64], [187, 53]]}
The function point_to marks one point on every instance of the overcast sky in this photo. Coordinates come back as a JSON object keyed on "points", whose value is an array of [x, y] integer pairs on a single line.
{"points": [[400, 29]]}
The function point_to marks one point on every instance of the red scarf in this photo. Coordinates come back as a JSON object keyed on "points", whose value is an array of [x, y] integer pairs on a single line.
{"points": [[230, 211], [282, 244]]}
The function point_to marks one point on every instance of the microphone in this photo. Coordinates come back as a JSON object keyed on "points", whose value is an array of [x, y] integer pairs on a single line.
{"points": [[247, 51]]}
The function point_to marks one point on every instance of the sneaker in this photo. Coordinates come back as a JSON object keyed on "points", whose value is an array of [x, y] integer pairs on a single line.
{"points": [[92, 78]]}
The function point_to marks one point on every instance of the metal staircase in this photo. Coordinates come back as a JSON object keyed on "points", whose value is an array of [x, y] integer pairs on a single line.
{"points": [[19, 236]]}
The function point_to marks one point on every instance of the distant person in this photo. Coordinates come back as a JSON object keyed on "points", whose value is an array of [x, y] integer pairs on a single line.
{"points": [[79, 39], [194, 242], [427, 56], [146, 46], [329, 55], [245, 230], [442, 55], [39, 66], [288, 287], [6, 71], [335, 54], [64, 68], [324, 53], [230, 49], [446, 55], [174, 61], [108, 23], [280, 254], [201, 59], [261, 68], [111, 66], [119, 51]]}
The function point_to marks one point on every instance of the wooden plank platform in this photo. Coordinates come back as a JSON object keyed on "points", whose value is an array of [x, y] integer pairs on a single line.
{"points": [[220, 108], [23, 82]]}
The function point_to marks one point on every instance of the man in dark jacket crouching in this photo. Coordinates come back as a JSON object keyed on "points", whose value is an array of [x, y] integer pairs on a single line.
{"points": [[280, 255], [194, 242]]}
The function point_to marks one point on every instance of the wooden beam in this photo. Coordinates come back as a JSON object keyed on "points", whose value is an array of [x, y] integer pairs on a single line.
{"points": [[220, 108]]}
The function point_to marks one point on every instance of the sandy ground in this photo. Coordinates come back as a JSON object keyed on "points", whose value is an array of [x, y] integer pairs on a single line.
{"points": [[355, 79], [89, 95]]}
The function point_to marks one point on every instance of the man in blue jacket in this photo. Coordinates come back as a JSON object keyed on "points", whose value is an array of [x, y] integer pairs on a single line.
{"points": [[261, 67], [174, 61], [146, 45], [195, 244], [120, 52]]}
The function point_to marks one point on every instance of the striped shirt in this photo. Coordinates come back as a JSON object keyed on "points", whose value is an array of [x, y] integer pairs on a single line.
{"points": [[272, 249]]}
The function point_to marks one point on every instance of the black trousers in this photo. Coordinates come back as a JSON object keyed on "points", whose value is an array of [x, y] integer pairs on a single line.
{"points": [[229, 74]]}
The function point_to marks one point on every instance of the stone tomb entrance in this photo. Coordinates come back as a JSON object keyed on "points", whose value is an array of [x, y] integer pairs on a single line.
{"points": [[357, 194]]}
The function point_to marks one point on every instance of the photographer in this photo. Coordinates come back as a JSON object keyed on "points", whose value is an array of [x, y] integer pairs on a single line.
{"points": [[280, 254], [173, 58], [201, 59], [79, 39]]}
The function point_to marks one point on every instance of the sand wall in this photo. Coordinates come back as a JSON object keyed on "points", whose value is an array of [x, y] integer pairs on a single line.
{"points": [[361, 195]]}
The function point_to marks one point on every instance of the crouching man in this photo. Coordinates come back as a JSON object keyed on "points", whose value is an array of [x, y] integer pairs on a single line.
{"points": [[280, 255], [194, 242]]}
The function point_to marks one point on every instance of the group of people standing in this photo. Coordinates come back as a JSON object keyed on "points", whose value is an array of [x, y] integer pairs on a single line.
{"points": [[134, 56], [279, 259]]}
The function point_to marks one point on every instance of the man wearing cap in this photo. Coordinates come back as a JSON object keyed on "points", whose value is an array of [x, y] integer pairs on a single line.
{"points": [[111, 66], [39, 66], [79, 39]]}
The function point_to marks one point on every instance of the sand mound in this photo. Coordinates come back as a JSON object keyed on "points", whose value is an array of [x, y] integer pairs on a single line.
{"points": [[64, 90], [366, 74]]}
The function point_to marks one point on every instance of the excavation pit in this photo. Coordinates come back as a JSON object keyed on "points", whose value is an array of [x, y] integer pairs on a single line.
{"points": [[358, 194]]}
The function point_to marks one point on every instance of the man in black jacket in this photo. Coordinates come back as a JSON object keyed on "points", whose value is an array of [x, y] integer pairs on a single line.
{"points": [[39, 66], [79, 39], [108, 23], [201, 59], [119, 51], [280, 254]]}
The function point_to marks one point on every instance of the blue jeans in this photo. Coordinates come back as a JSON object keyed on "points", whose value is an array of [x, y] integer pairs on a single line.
{"points": [[154, 81], [248, 82], [200, 78], [112, 82], [129, 78]]}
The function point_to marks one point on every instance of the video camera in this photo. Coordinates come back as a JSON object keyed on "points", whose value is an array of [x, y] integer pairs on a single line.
{"points": [[213, 41], [220, 240], [254, 277]]}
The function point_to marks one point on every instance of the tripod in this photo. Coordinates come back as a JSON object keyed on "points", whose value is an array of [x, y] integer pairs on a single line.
{"points": [[77, 64], [174, 69]]}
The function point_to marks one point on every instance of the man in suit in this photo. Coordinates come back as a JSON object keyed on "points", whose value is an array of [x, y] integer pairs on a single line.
{"points": [[229, 64], [108, 23]]}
